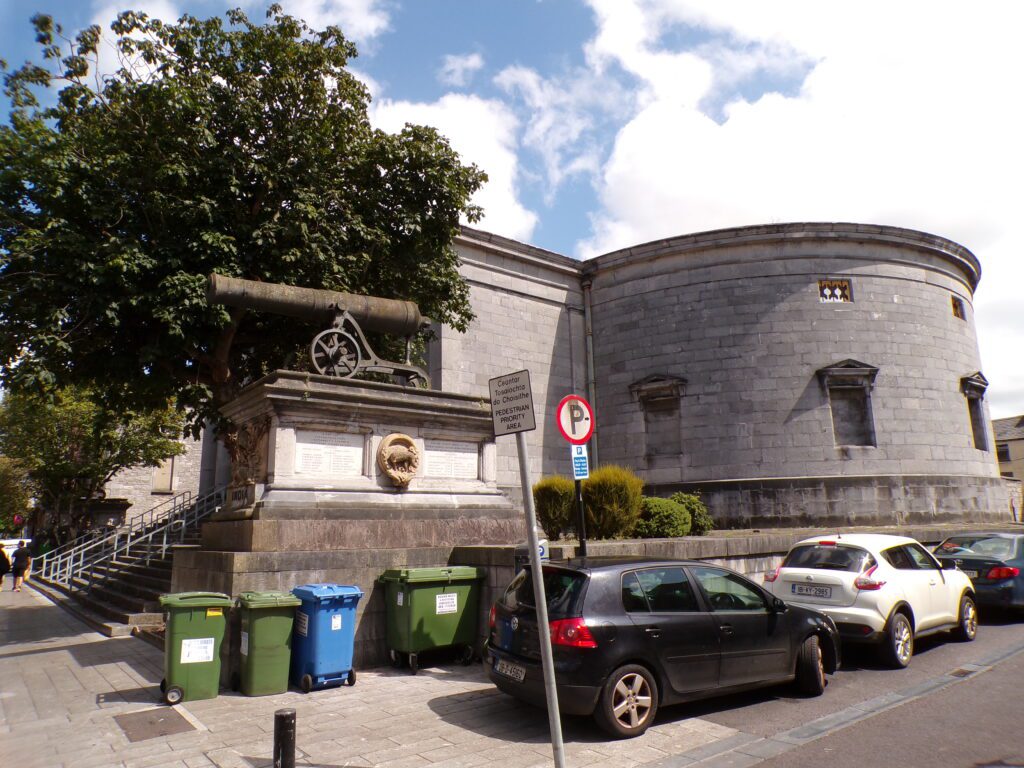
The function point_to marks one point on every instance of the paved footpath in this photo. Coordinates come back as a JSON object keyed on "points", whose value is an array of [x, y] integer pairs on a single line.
{"points": [[66, 690]]}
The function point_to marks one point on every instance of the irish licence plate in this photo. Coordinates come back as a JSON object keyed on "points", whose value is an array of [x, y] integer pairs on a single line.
{"points": [[812, 591], [508, 669]]}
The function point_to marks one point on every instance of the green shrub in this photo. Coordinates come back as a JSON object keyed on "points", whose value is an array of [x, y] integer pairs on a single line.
{"points": [[701, 521], [662, 519], [554, 498], [612, 497]]}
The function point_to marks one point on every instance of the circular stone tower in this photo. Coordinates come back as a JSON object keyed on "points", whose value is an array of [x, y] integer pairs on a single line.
{"points": [[798, 374]]}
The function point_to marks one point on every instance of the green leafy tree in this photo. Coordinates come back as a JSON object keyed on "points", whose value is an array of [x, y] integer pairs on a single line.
{"points": [[233, 147], [15, 495], [70, 446]]}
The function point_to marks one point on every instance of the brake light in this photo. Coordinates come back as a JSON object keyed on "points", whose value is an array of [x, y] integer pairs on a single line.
{"points": [[865, 583], [1003, 572], [491, 619], [826, 543], [573, 633], [770, 577]]}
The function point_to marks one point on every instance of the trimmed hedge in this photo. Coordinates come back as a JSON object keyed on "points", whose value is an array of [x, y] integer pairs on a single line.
{"points": [[612, 497], [701, 521], [554, 498], [662, 519]]}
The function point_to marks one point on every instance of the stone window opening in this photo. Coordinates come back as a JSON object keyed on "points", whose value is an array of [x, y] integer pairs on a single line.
{"points": [[848, 385], [1003, 452], [973, 388], [835, 291], [659, 396], [959, 311]]}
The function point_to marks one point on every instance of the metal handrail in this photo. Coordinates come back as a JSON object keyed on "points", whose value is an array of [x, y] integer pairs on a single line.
{"points": [[166, 535], [65, 566]]}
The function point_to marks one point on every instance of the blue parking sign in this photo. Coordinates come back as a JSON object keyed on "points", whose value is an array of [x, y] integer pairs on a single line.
{"points": [[580, 463]]}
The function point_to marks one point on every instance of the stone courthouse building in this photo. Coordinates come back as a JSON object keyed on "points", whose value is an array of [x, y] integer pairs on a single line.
{"points": [[793, 374]]}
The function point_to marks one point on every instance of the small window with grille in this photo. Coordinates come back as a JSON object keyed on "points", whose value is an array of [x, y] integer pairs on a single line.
{"points": [[835, 291]]}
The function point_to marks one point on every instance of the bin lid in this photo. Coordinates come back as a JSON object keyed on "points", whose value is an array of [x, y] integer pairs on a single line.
{"points": [[267, 600], [322, 592], [448, 574], [195, 600]]}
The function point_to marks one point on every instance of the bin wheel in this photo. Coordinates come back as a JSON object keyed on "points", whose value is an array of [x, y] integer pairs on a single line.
{"points": [[467, 655], [306, 683], [413, 663], [163, 685], [351, 677], [173, 695], [396, 658]]}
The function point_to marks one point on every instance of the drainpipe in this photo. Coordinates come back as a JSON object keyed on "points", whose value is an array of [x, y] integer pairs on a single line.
{"points": [[588, 333]]}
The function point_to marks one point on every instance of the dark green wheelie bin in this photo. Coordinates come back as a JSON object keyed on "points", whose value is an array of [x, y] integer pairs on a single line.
{"points": [[430, 608], [266, 641], [194, 630]]}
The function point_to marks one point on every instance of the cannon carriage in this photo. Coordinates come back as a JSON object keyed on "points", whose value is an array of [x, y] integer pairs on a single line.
{"points": [[342, 349]]}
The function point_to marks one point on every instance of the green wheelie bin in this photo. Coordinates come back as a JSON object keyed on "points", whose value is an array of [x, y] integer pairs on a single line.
{"points": [[266, 641], [430, 608], [194, 629]]}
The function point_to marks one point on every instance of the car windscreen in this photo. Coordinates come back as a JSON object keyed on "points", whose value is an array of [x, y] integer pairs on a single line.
{"points": [[990, 546], [563, 590], [829, 557]]}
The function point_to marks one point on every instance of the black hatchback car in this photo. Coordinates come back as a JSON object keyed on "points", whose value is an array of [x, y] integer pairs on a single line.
{"points": [[631, 635]]}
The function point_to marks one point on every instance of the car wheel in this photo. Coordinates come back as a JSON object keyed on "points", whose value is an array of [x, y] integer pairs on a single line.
{"points": [[967, 628], [899, 642], [810, 669], [628, 702]]}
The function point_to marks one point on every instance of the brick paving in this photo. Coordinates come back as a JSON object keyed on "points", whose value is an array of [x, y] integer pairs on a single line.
{"points": [[62, 685]]}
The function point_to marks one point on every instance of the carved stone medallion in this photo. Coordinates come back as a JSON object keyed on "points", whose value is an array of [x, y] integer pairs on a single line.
{"points": [[398, 458]]}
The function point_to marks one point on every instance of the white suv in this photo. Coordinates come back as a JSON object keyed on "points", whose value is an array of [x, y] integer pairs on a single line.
{"points": [[877, 588]]}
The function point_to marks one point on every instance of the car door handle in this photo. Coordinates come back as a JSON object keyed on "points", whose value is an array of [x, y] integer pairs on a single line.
{"points": [[726, 629], [653, 631]]}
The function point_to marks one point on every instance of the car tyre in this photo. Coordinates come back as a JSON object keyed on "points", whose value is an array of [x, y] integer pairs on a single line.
{"points": [[628, 702], [810, 668], [899, 642], [967, 626]]}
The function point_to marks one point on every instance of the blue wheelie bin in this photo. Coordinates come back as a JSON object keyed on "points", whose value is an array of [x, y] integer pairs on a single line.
{"points": [[324, 635]]}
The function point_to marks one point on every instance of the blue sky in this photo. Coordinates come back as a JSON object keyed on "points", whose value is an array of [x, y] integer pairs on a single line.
{"points": [[608, 123]]}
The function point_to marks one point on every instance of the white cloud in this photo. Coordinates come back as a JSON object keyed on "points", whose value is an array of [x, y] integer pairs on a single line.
{"points": [[910, 115], [457, 71], [484, 133]]}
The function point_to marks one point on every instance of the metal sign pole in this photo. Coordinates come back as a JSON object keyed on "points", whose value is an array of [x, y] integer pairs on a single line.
{"points": [[581, 520], [546, 657]]}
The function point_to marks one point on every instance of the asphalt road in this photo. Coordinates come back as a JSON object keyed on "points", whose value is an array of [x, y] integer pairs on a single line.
{"points": [[971, 719]]}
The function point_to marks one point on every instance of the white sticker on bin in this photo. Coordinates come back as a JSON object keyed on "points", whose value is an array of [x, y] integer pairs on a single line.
{"points": [[197, 650], [446, 602], [301, 623], [245, 643], [335, 622], [400, 598]]}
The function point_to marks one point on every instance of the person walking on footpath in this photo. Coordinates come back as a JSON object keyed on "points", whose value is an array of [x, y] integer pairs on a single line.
{"points": [[5, 566], [21, 561]]}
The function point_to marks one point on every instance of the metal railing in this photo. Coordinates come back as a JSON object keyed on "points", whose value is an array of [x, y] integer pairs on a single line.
{"points": [[164, 525]]}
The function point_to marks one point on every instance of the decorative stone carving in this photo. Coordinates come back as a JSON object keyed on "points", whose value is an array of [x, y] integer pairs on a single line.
{"points": [[398, 458]]}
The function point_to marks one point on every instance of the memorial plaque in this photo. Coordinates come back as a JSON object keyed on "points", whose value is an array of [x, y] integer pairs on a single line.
{"points": [[328, 453], [451, 459]]}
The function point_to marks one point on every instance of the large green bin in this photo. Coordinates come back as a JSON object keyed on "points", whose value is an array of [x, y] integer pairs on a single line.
{"points": [[266, 641], [431, 608], [195, 623]]}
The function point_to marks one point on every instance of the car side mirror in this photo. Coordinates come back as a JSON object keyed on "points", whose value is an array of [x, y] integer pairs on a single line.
{"points": [[948, 565], [778, 605]]}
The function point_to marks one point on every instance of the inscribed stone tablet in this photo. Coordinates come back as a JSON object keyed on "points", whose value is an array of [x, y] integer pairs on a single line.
{"points": [[451, 459], [328, 453]]}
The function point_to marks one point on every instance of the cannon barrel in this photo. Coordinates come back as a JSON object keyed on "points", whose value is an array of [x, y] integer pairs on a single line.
{"points": [[401, 318]]}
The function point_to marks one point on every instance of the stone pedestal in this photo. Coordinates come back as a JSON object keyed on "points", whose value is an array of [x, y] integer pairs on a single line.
{"points": [[313, 500]]}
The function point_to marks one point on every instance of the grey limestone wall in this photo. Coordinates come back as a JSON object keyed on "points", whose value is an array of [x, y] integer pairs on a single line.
{"points": [[529, 314], [136, 483]]}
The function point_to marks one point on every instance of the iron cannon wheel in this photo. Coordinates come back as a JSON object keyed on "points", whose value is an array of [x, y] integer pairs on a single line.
{"points": [[335, 353]]}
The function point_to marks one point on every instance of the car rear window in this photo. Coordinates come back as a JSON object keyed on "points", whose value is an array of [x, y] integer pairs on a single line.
{"points": [[562, 588], [831, 557], [990, 546]]}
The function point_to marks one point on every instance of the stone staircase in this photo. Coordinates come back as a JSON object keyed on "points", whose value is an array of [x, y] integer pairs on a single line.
{"points": [[117, 589]]}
